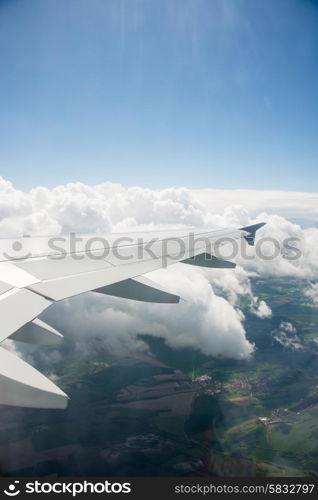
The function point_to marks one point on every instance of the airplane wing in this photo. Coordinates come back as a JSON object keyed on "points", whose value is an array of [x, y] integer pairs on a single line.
{"points": [[53, 269]]}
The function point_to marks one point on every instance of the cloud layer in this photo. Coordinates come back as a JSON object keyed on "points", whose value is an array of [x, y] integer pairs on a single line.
{"points": [[209, 319]]}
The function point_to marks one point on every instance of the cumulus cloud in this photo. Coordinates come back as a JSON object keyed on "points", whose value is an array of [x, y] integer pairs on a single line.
{"points": [[284, 249], [312, 292], [235, 285], [203, 320], [209, 319], [286, 335], [261, 309], [99, 209]]}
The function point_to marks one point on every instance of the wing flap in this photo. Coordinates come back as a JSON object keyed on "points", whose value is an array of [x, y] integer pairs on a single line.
{"points": [[38, 332], [4, 287], [22, 385], [208, 260], [142, 289], [18, 307]]}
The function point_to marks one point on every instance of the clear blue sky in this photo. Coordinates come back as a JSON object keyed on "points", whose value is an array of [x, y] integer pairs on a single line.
{"points": [[202, 93]]}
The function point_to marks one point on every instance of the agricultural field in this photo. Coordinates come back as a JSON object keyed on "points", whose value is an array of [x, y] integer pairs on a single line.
{"points": [[180, 413]]}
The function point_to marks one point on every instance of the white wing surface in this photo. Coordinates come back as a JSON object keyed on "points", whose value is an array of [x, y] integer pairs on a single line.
{"points": [[35, 272]]}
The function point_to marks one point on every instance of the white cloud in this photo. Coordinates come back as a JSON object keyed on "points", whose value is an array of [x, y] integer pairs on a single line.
{"points": [[261, 309], [286, 335], [275, 259], [203, 320], [237, 284], [312, 292], [207, 321], [299, 206]]}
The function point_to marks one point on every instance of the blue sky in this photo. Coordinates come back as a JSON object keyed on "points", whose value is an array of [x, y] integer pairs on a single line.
{"points": [[201, 93]]}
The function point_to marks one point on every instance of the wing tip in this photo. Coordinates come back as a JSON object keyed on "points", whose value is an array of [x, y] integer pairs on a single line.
{"points": [[251, 232]]}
